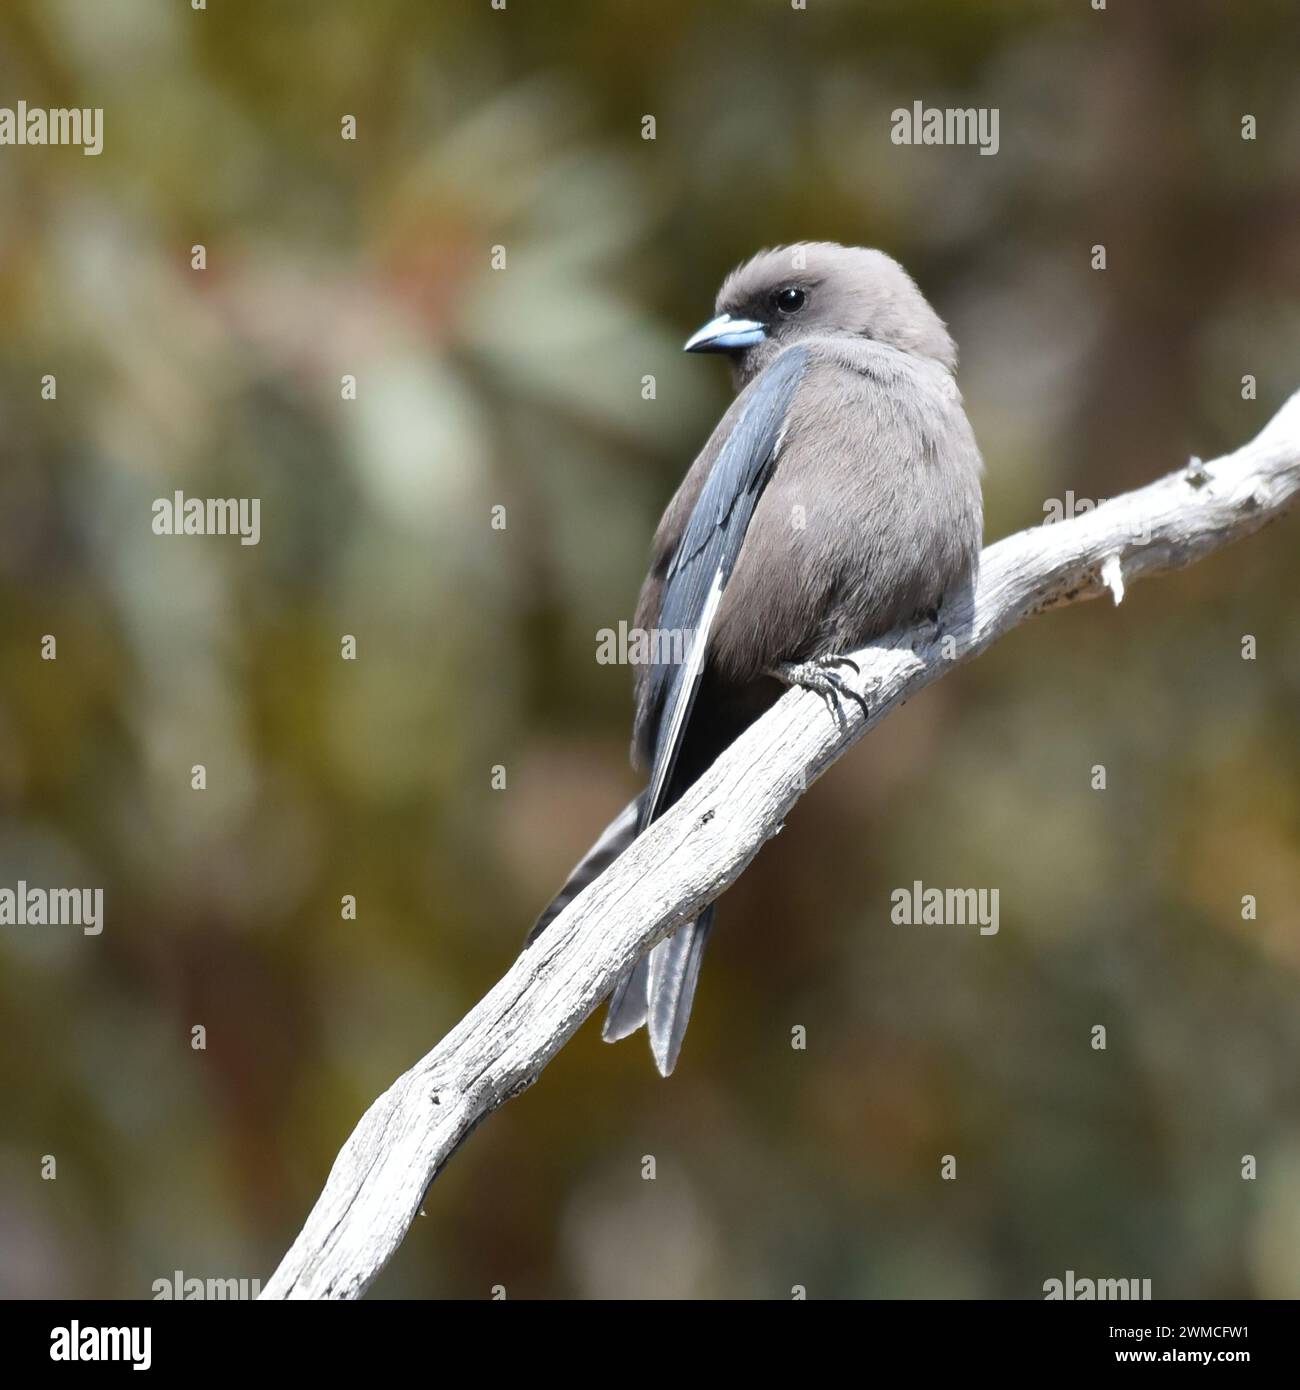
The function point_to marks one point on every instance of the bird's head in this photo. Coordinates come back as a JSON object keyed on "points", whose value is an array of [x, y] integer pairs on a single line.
{"points": [[819, 289]]}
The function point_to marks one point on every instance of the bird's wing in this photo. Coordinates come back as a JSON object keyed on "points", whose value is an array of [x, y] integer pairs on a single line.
{"points": [[707, 554], [614, 839]]}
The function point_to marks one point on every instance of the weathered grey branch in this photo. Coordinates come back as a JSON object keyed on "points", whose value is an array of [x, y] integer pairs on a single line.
{"points": [[700, 847]]}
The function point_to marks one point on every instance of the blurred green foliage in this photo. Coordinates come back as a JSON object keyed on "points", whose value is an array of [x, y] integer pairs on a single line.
{"points": [[522, 388]]}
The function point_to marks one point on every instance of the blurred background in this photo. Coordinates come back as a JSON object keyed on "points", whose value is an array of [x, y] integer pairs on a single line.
{"points": [[476, 647]]}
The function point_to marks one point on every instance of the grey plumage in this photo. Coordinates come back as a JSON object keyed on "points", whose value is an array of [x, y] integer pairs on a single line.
{"points": [[838, 497]]}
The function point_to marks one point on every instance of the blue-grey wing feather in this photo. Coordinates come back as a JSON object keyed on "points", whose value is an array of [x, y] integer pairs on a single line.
{"points": [[707, 554]]}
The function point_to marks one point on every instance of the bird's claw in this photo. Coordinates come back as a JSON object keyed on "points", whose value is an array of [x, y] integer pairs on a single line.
{"points": [[821, 676]]}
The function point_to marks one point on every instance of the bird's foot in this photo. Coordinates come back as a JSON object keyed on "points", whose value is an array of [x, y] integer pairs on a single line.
{"points": [[822, 676], [934, 619]]}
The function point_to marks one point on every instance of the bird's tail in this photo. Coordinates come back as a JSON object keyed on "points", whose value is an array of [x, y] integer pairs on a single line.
{"points": [[673, 974], [659, 989]]}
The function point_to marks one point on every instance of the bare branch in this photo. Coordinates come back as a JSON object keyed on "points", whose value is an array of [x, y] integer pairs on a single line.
{"points": [[702, 845]]}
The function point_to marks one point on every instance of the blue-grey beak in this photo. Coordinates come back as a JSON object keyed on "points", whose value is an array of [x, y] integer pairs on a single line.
{"points": [[725, 334]]}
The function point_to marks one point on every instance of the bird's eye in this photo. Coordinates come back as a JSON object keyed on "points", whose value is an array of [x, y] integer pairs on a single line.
{"points": [[790, 300]]}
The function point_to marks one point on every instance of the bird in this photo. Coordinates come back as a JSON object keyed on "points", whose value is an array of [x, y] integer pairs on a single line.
{"points": [[838, 497]]}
